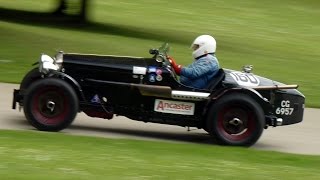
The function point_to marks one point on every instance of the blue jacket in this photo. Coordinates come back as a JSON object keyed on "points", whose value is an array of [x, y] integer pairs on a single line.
{"points": [[199, 73]]}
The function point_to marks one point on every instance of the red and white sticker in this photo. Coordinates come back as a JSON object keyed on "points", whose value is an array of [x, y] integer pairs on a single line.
{"points": [[174, 107]]}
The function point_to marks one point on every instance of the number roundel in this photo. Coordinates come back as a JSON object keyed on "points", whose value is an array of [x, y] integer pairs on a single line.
{"points": [[245, 79]]}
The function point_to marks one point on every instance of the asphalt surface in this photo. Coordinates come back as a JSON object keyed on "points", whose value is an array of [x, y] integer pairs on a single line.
{"points": [[302, 138]]}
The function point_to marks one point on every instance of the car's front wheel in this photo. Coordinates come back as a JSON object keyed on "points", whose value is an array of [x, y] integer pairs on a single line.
{"points": [[50, 104], [236, 119]]}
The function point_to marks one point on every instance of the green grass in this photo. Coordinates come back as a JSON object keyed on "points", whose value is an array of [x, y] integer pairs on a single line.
{"points": [[29, 5], [280, 38], [40, 155]]}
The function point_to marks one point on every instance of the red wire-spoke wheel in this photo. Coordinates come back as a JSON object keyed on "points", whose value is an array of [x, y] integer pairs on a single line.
{"points": [[236, 119], [236, 123], [50, 104]]}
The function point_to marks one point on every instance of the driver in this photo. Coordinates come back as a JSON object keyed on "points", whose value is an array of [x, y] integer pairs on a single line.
{"points": [[205, 64]]}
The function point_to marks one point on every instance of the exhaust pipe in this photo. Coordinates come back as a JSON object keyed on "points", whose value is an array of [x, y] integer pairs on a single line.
{"points": [[279, 121], [273, 121]]}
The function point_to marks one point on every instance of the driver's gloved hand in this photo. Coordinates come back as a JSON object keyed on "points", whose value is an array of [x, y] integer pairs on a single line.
{"points": [[177, 68]]}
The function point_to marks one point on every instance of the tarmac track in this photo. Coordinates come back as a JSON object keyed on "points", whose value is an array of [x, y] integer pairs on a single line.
{"points": [[302, 138]]}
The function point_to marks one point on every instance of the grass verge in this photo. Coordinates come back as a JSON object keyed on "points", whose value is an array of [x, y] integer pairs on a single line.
{"points": [[40, 155]]}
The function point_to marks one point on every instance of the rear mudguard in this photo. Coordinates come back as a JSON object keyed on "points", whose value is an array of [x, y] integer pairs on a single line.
{"points": [[263, 102]]}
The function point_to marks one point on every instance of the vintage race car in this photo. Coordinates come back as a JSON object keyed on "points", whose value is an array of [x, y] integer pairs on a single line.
{"points": [[234, 108]]}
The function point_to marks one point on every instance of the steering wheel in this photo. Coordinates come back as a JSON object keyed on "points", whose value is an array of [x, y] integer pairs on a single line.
{"points": [[161, 56]]}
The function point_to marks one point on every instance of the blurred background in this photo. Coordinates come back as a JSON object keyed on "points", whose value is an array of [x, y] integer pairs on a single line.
{"points": [[280, 38]]}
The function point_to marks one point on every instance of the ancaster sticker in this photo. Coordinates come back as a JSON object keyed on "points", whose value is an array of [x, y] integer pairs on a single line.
{"points": [[174, 107], [285, 108], [139, 70], [245, 79]]}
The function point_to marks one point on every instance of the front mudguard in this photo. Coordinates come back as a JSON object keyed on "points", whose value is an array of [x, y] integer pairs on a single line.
{"points": [[75, 85], [29, 78], [34, 75]]}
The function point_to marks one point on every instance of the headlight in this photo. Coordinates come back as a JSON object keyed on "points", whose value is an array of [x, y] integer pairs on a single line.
{"points": [[46, 64]]}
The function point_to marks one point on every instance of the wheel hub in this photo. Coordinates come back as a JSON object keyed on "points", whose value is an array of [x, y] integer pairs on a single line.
{"points": [[236, 122], [51, 105]]}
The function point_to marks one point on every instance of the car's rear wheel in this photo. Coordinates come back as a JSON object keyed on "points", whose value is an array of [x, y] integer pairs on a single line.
{"points": [[236, 119], [50, 104]]}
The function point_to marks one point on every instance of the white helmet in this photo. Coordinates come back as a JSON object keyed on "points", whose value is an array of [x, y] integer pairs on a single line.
{"points": [[203, 44]]}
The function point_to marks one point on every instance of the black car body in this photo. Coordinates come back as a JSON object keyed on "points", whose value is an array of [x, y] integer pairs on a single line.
{"points": [[234, 107]]}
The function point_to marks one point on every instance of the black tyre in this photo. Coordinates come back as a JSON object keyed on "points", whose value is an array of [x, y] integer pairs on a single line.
{"points": [[50, 104], [236, 119], [30, 77]]}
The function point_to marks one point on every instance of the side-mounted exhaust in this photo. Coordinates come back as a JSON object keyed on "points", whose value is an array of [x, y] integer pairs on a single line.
{"points": [[274, 121]]}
